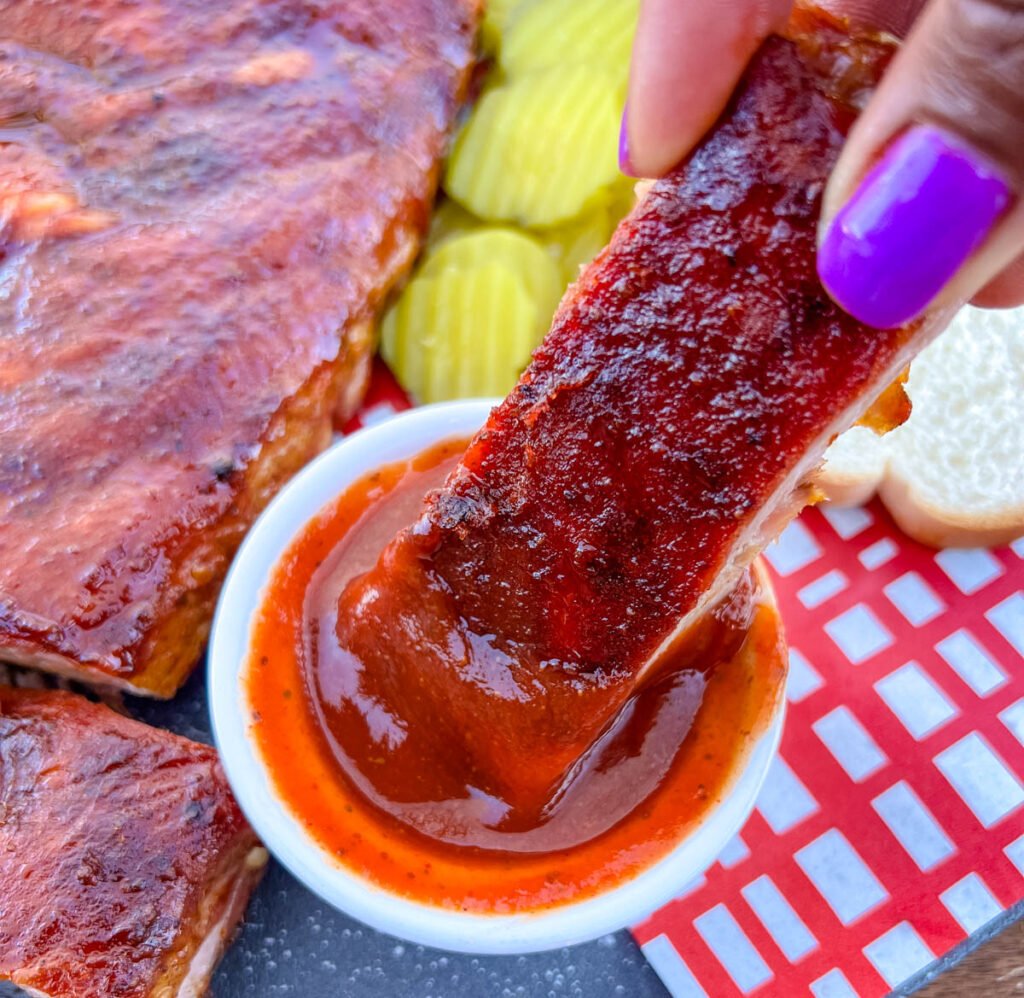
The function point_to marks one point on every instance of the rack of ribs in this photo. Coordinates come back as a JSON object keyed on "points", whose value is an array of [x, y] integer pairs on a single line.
{"points": [[202, 207], [125, 863], [667, 428]]}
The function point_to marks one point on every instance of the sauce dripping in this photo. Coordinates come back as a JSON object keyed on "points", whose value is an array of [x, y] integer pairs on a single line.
{"points": [[397, 796]]}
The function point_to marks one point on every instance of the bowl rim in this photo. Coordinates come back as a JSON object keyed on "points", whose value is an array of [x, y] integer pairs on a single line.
{"points": [[320, 482]]}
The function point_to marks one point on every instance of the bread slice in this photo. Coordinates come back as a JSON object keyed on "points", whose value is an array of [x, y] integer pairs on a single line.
{"points": [[953, 474]]}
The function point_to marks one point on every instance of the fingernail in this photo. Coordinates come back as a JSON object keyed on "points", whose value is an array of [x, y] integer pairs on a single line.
{"points": [[909, 227], [624, 164]]}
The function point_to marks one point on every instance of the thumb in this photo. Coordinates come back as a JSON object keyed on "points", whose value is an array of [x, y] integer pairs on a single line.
{"points": [[924, 205], [687, 57]]}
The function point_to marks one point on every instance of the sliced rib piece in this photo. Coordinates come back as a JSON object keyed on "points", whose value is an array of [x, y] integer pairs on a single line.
{"points": [[664, 432], [201, 209], [125, 863]]}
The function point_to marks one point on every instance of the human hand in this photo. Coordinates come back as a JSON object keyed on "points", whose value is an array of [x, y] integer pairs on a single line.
{"points": [[923, 205]]}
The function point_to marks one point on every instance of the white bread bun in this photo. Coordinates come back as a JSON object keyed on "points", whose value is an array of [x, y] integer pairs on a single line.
{"points": [[953, 474]]}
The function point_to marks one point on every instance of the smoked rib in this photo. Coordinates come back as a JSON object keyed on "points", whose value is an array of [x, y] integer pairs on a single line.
{"points": [[664, 432], [125, 863], [202, 207]]}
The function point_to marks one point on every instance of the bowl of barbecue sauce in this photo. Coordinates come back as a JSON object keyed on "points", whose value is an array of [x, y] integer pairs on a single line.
{"points": [[375, 797]]}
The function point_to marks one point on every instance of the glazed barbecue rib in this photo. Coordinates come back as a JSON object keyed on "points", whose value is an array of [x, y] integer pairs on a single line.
{"points": [[125, 863], [202, 206], [666, 429]]}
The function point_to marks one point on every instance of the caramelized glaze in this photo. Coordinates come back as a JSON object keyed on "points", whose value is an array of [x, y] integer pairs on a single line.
{"points": [[201, 208], [663, 433], [121, 852]]}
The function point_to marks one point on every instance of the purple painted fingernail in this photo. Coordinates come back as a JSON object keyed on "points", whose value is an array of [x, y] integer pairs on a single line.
{"points": [[624, 164], [910, 225]]}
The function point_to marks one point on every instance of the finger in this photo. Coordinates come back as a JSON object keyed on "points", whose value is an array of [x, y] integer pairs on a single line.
{"points": [[923, 207], [687, 57], [1005, 290]]}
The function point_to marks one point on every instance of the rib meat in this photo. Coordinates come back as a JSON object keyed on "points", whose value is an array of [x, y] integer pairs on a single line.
{"points": [[666, 429], [202, 206], [125, 863]]}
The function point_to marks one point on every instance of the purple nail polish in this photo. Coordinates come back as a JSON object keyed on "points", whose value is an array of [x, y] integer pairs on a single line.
{"points": [[910, 225], [624, 163]]}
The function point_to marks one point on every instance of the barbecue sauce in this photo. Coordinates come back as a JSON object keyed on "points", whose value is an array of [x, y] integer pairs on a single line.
{"points": [[381, 769]]}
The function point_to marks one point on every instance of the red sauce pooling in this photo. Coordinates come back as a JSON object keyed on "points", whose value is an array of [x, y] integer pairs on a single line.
{"points": [[397, 799]]}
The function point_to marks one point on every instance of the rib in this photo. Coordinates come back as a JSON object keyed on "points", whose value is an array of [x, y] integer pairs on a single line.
{"points": [[202, 207], [125, 863], [667, 428]]}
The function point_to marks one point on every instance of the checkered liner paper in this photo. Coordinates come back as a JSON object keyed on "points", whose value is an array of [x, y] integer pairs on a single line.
{"points": [[891, 825]]}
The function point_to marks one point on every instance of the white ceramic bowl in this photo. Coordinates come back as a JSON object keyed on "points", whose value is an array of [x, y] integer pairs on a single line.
{"points": [[325, 478]]}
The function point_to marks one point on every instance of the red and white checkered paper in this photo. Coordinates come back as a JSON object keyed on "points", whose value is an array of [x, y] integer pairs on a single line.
{"points": [[891, 827]]}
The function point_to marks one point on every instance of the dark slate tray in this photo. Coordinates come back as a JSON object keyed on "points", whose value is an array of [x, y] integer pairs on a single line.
{"points": [[294, 944]]}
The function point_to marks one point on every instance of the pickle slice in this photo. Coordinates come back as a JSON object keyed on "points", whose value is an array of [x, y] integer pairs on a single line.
{"points": [[576, 243], [460, 333], [538, 150], [519, 253], [545, 33]]}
